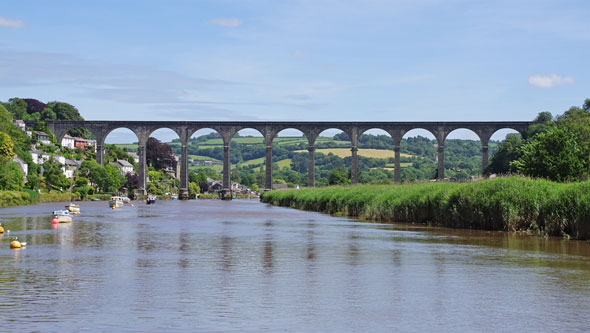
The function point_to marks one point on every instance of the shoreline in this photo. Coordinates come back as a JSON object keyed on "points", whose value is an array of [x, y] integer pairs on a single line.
{"points": [[537, 207]]}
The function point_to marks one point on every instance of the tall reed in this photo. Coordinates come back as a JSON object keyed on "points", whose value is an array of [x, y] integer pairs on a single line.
{"points": [[512, 203]]}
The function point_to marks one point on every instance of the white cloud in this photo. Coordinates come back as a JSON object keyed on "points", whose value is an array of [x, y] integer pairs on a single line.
{"points": [[4, 22], [226, 22], [548, 81]]}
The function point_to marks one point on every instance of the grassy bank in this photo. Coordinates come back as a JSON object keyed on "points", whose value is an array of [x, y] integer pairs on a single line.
{"points": [[18, 198], [514, 204]]}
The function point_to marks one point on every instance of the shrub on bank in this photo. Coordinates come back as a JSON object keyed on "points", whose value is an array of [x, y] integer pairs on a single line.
{"points": [[512, 203], [13, 198], [27, 197]]}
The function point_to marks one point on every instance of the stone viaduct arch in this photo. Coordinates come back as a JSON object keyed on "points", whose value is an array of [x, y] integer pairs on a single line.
{"points": [[269, 129]]}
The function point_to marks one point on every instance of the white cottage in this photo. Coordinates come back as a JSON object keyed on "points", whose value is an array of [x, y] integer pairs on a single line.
{"points": [[67, 142]]}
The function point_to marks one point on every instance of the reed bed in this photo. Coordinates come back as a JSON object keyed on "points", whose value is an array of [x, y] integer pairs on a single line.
{"points": [[510, 204]]}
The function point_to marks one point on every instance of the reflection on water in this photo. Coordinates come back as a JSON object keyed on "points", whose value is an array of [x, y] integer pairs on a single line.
{"points": [[243, 265]]}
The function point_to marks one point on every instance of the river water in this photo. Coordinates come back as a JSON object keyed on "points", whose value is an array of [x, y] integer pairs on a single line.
{"points": [[214, 265]]}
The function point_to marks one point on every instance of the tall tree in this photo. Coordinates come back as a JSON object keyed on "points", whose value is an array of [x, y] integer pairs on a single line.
{"points": [[159, 155], [554, 154], [508, 151]]}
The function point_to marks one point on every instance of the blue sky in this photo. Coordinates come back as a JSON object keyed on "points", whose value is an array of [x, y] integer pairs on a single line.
{"points": [[417, 60]]}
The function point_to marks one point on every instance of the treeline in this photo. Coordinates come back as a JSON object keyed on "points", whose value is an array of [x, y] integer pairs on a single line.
{"points": [[558, 149]]}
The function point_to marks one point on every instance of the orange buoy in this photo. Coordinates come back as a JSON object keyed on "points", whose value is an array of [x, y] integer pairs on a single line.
{"points": [[54, 221]]}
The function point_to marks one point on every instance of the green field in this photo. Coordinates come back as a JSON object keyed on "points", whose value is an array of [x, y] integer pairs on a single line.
{"points": [[202, 158], [260, 161], [345, 152]]}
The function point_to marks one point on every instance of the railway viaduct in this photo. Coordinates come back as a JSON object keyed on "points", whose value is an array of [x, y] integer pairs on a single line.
{"points": [[269, 130]]}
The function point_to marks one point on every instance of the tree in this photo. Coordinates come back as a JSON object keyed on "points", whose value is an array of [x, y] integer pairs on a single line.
{"points": [[6, 146], [54, 177], [159, 155], [132, 182], [508, 151], [193, 189], [338, 177], [114, 178], [18, 108], [65, 111], [11, 176], [554, 154], [33, 181]]}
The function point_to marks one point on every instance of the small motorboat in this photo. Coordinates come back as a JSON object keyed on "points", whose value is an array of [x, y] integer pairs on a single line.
{"points": [[126, 200], [62, 216], [151, 200], [73, 208], [116, 202]]}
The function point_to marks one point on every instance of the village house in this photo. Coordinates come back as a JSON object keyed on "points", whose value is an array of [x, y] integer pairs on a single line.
{"points": [[216, 185], [85, 143], [71, 166], [39, 156], [68, 142], [125, 166], [134, 156], [21, 124], [43, 138]]}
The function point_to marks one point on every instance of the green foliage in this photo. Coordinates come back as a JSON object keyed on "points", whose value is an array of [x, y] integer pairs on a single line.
{"points": [[11, 176], [53, 175], [6, 146], [513, 203], [508, 151], [106, 179], [339, 177], [14, 198], [20, 140], [555, 154], [193, 189], [33, 180], [113, 152]]}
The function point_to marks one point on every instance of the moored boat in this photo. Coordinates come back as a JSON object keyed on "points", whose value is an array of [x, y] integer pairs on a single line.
{"points": [[73, 208], [116, 202], [62, 216], [151, 200]]}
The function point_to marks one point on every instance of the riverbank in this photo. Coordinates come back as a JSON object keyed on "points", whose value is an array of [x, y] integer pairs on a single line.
{"points": [[510, 204], [23, 198]]}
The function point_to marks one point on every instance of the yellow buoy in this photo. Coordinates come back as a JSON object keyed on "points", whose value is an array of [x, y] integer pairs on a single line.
{"points": [[1, 229], [15, 244]]}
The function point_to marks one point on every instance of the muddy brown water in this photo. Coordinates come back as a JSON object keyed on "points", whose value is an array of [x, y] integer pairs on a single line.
{"points": [[246, 266]]}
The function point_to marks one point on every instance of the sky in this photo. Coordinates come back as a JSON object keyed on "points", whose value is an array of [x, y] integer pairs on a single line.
{"points": [[328, 60]]}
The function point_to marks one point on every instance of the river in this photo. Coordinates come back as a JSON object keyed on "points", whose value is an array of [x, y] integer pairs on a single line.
{"points": [[215, 265]]}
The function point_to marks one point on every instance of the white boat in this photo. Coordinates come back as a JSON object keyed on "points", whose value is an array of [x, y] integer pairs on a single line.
{"points": [[126, 200], [116, 202], [73, 208], [62, 216]]}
